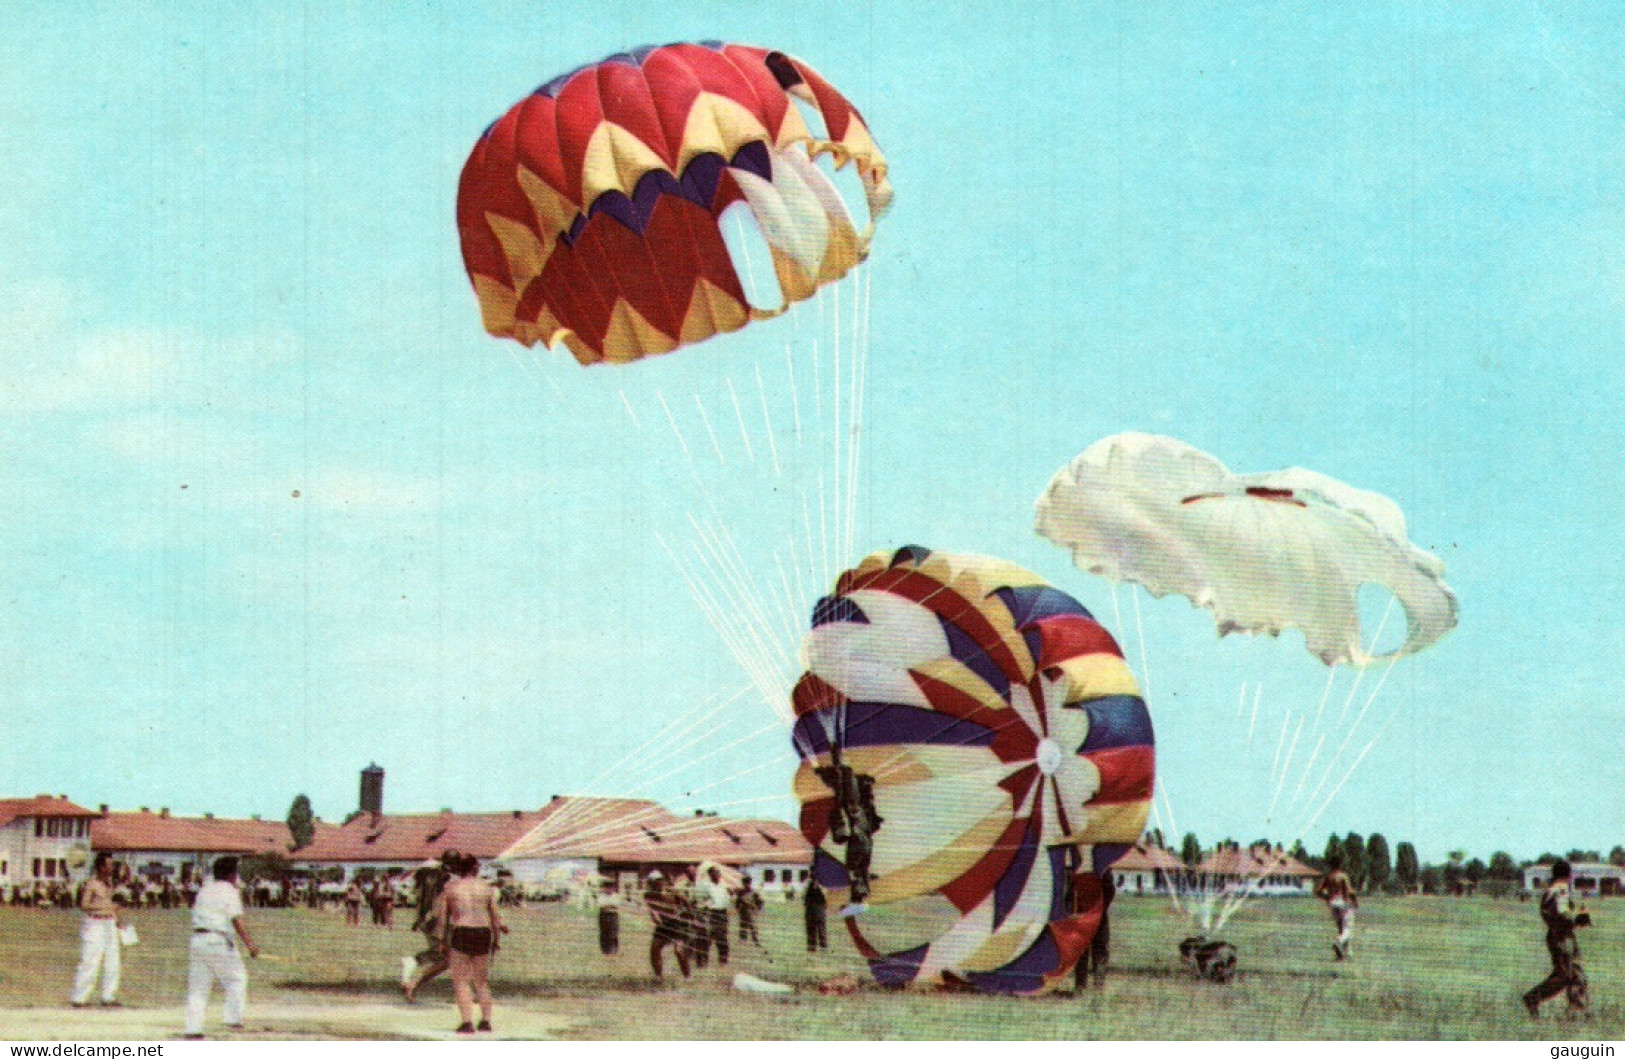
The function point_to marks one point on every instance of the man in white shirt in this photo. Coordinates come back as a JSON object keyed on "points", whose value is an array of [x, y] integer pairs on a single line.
{"points": [[217, 915], [712, 897]]}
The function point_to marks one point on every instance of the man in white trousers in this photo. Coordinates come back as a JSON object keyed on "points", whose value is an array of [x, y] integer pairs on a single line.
{"points": [[98, 937], [217, 926]]}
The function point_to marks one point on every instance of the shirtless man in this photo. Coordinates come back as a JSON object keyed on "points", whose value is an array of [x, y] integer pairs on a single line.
{"points": [[1338, 893], [469, 926]]}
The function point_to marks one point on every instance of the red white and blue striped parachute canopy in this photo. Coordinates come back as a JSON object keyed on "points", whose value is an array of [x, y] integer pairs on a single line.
{"points": [[1265, 552], [1012, 759], [591, 212]]}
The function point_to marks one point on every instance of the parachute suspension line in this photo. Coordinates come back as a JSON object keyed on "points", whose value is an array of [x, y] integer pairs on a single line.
{"points": [[1280, 742], [767, 420], [1337, 755], [1336, 758], [835, 409], [860, 374], [1241, 700], [721, 557], [716, 448], [742, 643], [633, 416], [1145, 662], [1241, 899], [1253, 721], [650, 782], [676, 728], [1376, 638], [1286, 768], [795, 396], [678, 434], [739, 416]]}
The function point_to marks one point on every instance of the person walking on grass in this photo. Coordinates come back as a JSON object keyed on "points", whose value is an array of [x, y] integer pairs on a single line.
{"points": [[665, 909], [815, 910], [1338, 892], [750, 904], [217, 926], [1561, 916], [609, 919], [98, 937], [470, 926], [712, 899], [434, 959]]}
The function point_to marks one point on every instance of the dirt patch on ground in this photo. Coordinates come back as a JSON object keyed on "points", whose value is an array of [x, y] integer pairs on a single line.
{"points": [[278, 1021]]}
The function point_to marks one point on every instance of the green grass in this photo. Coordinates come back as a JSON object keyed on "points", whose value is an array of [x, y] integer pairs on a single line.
{"points": [[1424, 968]]}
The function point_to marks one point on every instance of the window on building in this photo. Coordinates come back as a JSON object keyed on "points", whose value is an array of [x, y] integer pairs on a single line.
{"points": [[804, 873], [767, 875], [36, 867], [39, 827], [50, 869]]}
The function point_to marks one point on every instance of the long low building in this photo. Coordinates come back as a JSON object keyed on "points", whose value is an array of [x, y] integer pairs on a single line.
{"points": [[630, 838], [1591, 878], [159, 845]]}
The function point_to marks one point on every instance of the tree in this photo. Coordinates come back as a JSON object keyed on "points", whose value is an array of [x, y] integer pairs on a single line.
{"points": [[1578, 855], [1452, 872], [1474, 871], [1334, 850], [301, 822], [1190, 851], [1616, 856], [1153, 838], [1354, 859], [1502, 866], [1378, 866], [1407, 872]]}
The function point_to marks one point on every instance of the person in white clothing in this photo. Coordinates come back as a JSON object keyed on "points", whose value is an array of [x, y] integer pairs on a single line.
{"points": [[217, 926], [98, 937], [713, 898]]}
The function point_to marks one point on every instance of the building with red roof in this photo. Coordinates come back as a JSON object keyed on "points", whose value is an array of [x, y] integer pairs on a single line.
{"points": [[1146, 869], [40, 837], [1258, 869], [624, 836], [158, 845]]}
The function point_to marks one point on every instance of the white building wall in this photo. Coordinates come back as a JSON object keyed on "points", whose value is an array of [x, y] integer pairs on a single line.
{"points": [[28, 857]]}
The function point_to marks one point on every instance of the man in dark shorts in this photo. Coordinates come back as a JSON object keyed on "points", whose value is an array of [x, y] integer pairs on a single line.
{"points": [[1561, 916], [666, 912]]}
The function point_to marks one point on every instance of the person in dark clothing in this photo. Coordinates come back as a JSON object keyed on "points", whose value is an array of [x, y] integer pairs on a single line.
{"points": [[435, 959], [814, 905], [852, 822], [1098, 955], [666, 911], [749, 903], [609, 919], [1561, 916]]}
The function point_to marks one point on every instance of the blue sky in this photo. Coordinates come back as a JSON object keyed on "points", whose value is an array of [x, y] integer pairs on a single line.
{"points": [[1381, 243]]}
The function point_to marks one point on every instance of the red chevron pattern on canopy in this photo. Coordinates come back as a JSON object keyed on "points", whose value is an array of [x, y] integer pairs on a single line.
{"points": [[591, 212]]}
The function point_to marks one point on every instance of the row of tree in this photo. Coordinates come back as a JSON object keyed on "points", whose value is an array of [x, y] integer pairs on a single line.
{"points": [[1375, 867]]}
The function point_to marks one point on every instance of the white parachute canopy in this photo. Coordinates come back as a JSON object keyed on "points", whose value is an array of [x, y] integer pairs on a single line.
{"points": [[1263, 552]]}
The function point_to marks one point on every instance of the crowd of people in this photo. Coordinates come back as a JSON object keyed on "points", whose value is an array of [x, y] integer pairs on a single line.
{"points": [[695, 915]]}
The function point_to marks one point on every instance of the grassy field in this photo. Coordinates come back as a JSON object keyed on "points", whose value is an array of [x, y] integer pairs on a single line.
{"points": [[1424, 968]]}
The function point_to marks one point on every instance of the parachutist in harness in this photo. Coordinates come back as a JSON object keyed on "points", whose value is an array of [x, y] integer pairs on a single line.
{"points": [[853, 822], [1214, 961]]}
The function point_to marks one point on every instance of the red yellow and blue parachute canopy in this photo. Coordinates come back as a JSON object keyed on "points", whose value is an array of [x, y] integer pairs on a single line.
{"points": [[1011, 757], [590, 213]]}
